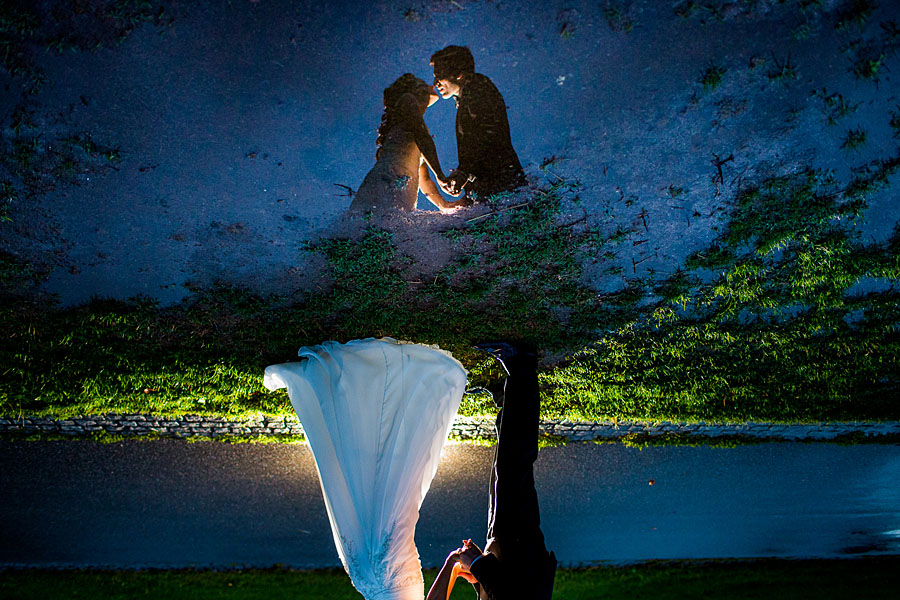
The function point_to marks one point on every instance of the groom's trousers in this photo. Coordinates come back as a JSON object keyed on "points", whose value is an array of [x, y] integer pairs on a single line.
{"points": [[520, 566], [513, 514]]}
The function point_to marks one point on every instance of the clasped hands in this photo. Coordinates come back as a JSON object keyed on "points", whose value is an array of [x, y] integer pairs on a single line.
{"points": [[465, 556], [455, 182]]}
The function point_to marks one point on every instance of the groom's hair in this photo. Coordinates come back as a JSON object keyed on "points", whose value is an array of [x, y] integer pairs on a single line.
{"points": [[452, 61]]}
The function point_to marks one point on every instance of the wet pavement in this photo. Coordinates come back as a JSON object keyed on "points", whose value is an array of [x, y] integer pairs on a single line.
{"points": [[171, 503]]}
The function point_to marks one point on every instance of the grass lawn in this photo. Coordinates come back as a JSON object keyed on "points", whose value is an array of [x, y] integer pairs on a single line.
{"points": [[871, 578], [789, 316]]}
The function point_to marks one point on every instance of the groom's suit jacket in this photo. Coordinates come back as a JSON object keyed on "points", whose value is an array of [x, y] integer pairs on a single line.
{"points": [[482, 138]]}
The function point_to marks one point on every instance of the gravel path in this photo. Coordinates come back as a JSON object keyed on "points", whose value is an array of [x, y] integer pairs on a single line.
{"points": [[463, 428]]}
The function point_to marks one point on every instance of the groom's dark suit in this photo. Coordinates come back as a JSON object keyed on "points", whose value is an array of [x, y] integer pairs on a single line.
{"points": [[482, 138], [516, 563]]}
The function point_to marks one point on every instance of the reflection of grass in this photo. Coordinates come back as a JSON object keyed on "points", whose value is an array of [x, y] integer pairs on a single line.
{"points": [[836, 107], [855, 139], [39, 164], [516, 274], [763, 324], [8, 197], [617, 19], [712, 579], [675, 191], [895, 122], [868, 67], [774, 333], [856, 14], [35, 161], [783, 71], [712, 77]]}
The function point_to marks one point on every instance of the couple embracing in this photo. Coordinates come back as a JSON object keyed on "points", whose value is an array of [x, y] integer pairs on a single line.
{"points": [[488, 164]]}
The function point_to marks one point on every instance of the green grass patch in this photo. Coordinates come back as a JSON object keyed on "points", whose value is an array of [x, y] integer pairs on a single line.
{"points": [[835, 107], [712, 77], [768, 323], [868, 67], [855, 14], [875, 577], [516, 274], [895, 121], [771, 332], [782, 71], [618, 19], [855, 139]]}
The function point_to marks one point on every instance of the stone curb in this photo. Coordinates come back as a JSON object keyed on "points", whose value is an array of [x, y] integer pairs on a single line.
{"points": [[463, 428]]}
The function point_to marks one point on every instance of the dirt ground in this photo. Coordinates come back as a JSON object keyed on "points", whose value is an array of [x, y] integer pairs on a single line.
{"points": [[235, 120]]}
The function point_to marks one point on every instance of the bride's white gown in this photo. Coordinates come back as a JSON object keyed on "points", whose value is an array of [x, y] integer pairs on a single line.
{"points": [[376, 413]]}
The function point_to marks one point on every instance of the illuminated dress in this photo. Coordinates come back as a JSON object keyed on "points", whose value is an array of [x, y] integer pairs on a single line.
{"points": [[393, 183], [376, 413]]}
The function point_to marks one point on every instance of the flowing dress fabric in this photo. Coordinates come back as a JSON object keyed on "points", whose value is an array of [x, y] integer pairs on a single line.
{"points": [[376, 413]]}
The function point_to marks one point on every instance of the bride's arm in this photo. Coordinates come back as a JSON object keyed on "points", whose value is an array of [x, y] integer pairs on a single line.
{"points": [[428, 187], [415, 124], [441, 583]]}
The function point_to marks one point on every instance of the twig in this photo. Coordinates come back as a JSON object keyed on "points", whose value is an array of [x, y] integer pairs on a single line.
{"points": [[719, 180], [643, 217], [546, 170], [347, 188], [635, 264]]}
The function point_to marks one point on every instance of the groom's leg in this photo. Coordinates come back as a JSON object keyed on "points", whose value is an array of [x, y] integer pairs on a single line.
{"points": [[514, 512]]}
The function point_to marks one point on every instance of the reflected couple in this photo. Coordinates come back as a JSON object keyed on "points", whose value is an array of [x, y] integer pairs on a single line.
{"points": [[407, 158]]}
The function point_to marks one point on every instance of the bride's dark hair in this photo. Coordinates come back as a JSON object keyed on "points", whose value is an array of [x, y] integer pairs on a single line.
{"points": [[405, 84]]}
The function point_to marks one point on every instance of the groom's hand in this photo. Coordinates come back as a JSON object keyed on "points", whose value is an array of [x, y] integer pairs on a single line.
{"points": [[456, 181], [469, 553]]}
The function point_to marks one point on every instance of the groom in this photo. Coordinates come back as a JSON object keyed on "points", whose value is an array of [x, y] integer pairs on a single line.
{"points": [[515, 562], [482, 128]]}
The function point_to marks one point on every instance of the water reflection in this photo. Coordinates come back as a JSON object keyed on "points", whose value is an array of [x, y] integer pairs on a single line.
{"points": [[68, 504], [784, 499]]}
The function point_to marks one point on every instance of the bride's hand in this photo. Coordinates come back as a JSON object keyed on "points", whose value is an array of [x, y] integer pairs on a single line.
{"points": [[470, 552], [456, 181]]}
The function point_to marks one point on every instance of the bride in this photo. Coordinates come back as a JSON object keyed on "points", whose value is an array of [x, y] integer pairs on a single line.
{"points": [[405, 153], [376, 413]]}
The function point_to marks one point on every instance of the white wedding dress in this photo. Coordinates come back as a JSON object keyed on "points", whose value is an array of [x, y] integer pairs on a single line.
{"points": [[376, 413]]}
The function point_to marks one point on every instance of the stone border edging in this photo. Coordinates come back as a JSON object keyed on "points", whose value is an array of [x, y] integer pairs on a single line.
{"points": [[463, 427]]}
